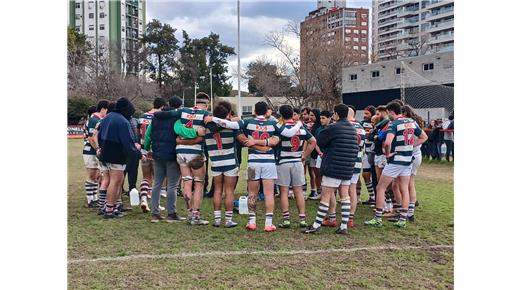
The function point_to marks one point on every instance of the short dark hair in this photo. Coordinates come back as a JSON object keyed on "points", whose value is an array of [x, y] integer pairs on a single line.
{"points": [[306, 109], [341, 110], [261, 108], [327, 114], [394, 107], [371, 109], [286, 111], [220, 111], [91, 110], [401, 103], [111, 107], [450, 117], [202, 96], [353, 108], [296, 110], [175, 102], [158, 103], [103, 104], [226, 105], [381, 108]]}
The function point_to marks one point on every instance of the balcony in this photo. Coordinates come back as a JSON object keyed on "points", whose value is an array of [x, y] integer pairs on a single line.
{"points": [[389, 22], [393, 5], [407, 34], [441, 38], [407, 23], [438, 14], [439, 3], [407, 12], [440, 26]]}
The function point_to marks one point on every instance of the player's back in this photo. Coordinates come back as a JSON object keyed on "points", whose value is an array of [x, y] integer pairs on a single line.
{"points": [[192, 118], [405, 131], [144, 120], [260, 129], [290, 149], [221, 149]]}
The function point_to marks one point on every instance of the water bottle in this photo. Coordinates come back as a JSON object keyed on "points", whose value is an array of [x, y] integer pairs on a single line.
{"points": [[242, 205], [134, 197]]}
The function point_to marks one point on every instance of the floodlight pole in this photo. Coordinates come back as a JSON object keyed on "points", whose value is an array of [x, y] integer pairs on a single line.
{"points": [[239, 101]]}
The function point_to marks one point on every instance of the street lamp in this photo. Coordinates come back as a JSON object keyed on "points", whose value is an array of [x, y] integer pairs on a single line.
{"points": [[208, 61]]}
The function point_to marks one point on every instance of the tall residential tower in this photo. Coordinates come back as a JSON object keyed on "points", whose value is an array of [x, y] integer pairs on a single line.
{"points": [[112, 25]]}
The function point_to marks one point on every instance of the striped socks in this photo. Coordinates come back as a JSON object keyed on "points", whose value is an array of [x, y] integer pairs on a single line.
{"points": [[268, 219], [403, 214], [332, 216], [323, 208], [229, 216], [144, 188], [285, 215], [302, 217], [411, 208], [91, 190], [102, 199], [370, 190], [345, 213], [379, 214], [252, 218], [218, 216]]}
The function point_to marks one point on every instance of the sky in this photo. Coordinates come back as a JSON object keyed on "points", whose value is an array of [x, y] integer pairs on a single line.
{"points": [[257, 18]]}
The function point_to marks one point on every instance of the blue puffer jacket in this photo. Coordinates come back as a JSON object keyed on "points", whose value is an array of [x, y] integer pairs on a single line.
{"points": [[339, 142], [163, 136]]}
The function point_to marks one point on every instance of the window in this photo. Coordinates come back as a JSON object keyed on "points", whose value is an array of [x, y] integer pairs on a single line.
{"points": [[356, 39], [356, 31], [363, 48], [363, 40], [90, 4], [91, 27], [397, 70], [363, 16], [101, 4], [78, 5], [101, 26], [428, 66], [356, 47], [102, 15], [353, 77], [375, 74], [78, 28], [91, 15], [347, 38], [363, 31], [248, 109], [78, 16], [363, 23], [348, 31]]}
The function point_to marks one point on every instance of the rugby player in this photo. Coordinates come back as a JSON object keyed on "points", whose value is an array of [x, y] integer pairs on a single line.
{"points": [[398, 148], [368, 157]]}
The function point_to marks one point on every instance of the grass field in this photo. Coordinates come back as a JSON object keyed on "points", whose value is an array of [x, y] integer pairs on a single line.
{"points": [[234, 258]]}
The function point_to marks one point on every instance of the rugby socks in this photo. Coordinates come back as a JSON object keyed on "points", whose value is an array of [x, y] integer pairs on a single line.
{"points": [[102, 198], [411, 208], [345, 213], [252, 218], [268, 219], [109, 209], [370, 189], [90, 189], [332, 216], [190, 214], [379, 214], [302, 217], [403, 214], [196, 214], [351, 217], [285, 215], [119, 205], [229, 216], [144, 188], [218, 216], [323, 208]]}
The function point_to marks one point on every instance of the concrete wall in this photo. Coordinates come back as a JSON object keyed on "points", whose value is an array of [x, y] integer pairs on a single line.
{"points": [[413, 75]]}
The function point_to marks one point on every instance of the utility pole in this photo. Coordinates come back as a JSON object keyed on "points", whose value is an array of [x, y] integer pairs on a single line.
{"points": [[239, 101]]}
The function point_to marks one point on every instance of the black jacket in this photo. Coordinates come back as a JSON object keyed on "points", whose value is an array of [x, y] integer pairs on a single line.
{"points": [[163, 136], [339, 142]]}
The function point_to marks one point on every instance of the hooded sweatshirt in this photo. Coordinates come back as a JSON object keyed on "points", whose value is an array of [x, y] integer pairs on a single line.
{"points": [[116, 136]]}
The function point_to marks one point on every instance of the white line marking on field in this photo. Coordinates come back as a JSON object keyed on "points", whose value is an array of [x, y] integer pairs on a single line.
{"points": [[263, 252]]}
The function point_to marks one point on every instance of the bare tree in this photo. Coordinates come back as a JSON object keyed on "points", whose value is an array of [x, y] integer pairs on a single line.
{"points": [[420, 45]]}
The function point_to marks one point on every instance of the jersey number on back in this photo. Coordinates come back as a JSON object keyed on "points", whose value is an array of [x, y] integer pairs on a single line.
{"points": [[218, 140], [295, 142], [408, 136], [256, 135]]}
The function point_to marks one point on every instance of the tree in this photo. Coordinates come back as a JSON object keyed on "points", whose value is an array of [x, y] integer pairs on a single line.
{"points": [[268, 80], [420, 45], [78, 50], [161, 45]]}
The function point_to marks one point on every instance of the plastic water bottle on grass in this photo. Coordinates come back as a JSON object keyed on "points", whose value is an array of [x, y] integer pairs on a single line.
{"points": [[134, 197], [242, 205]]}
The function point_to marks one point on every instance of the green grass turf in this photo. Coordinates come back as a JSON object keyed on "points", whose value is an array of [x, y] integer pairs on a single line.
{"points": [[89, 236]]}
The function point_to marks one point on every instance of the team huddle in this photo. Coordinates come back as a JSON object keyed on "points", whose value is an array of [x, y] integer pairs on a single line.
{"points": [[176, 144]]}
